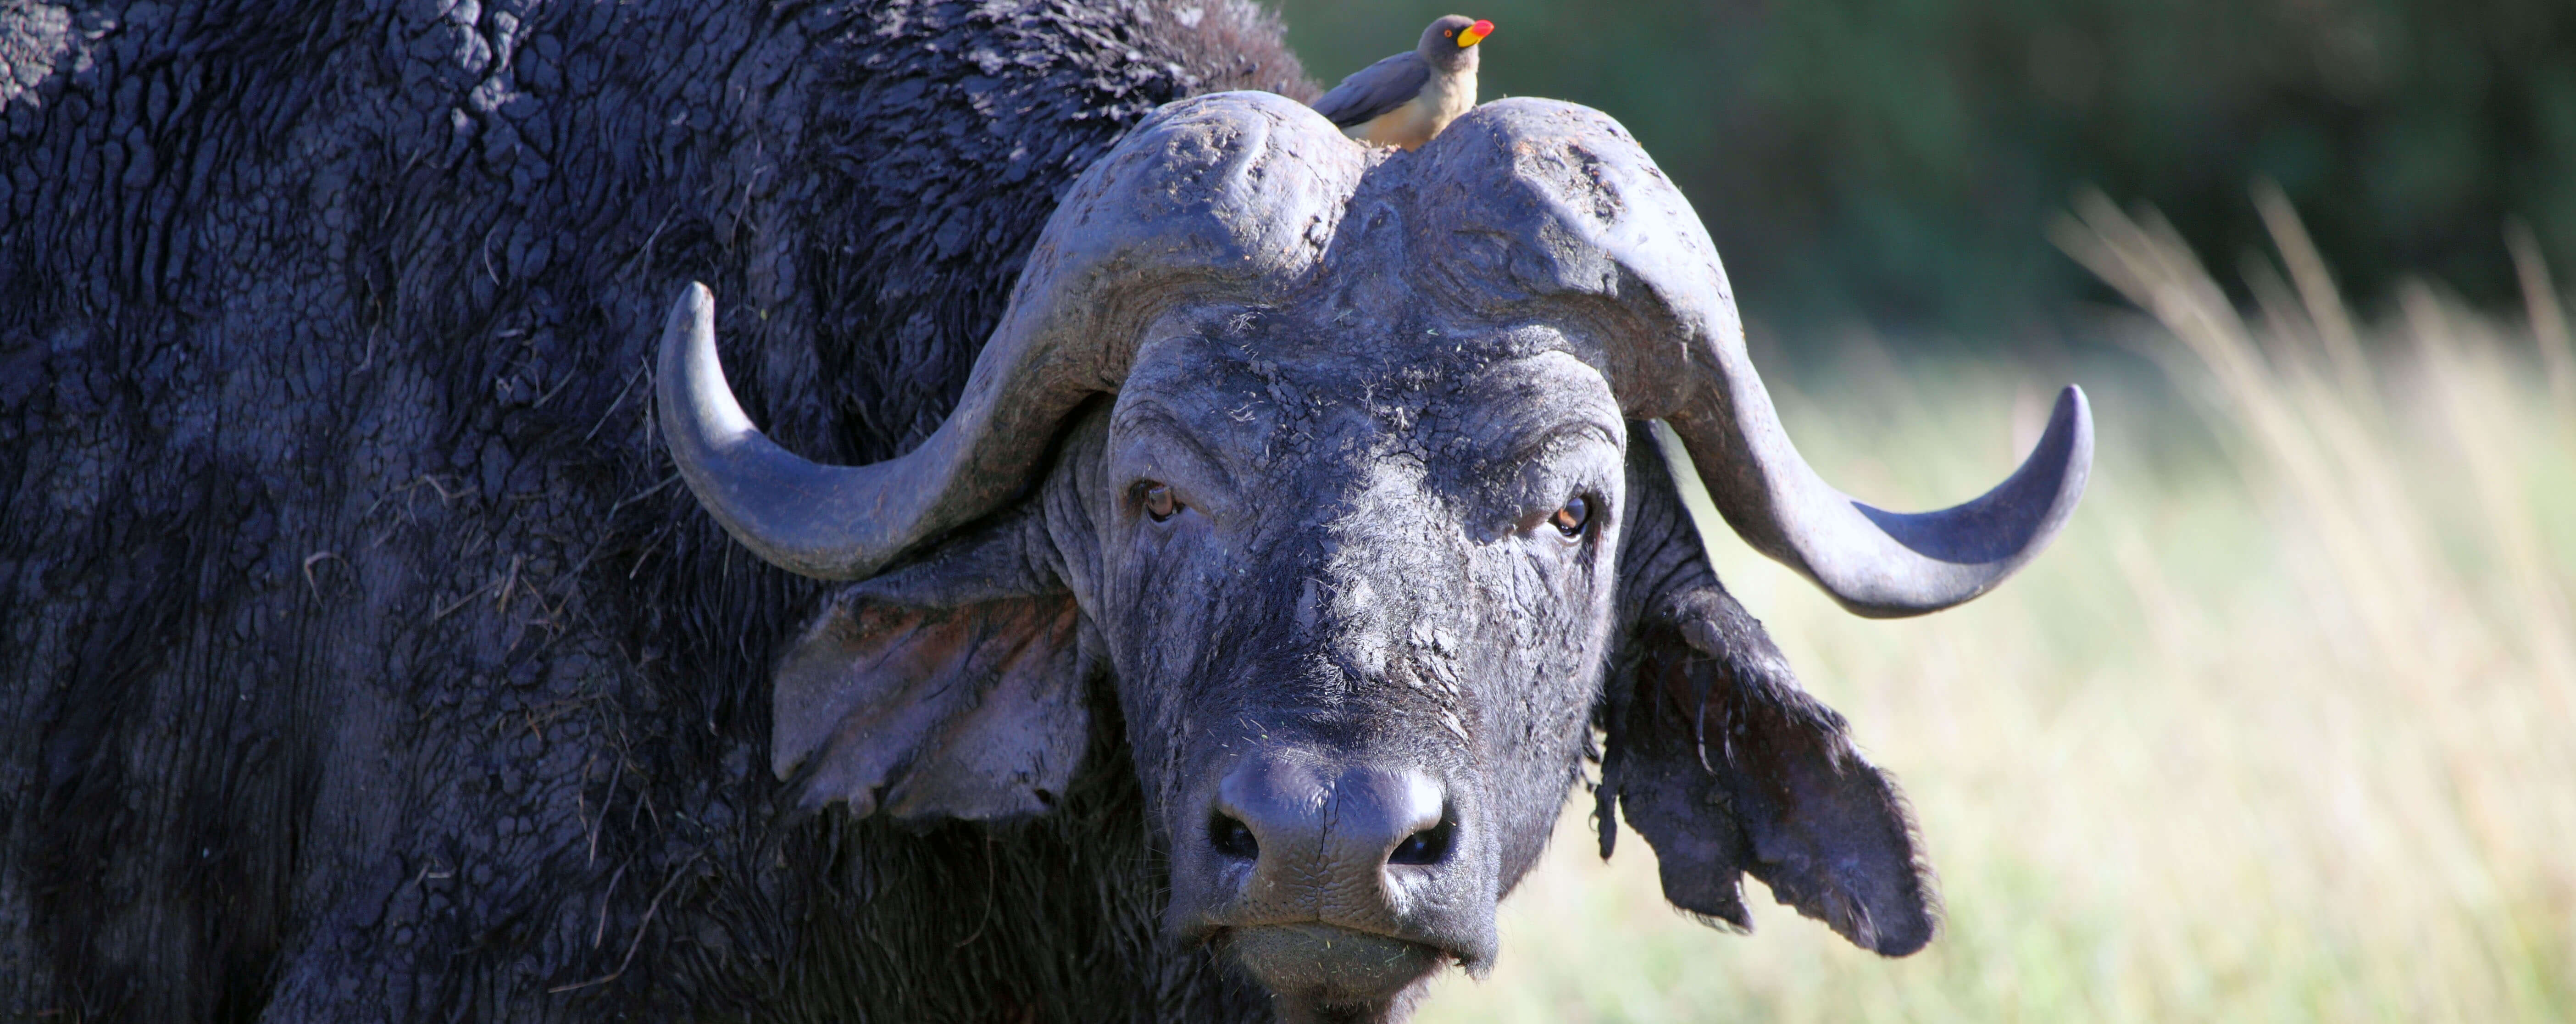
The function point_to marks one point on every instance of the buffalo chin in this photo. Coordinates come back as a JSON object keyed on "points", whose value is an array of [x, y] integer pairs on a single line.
{"points": [[1323, 972]]}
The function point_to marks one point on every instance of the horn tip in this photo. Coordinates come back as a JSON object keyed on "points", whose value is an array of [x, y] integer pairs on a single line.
{"points": [[2073, 417], [2071, 401], [698, 408], [695, 309], [2040, 497]]}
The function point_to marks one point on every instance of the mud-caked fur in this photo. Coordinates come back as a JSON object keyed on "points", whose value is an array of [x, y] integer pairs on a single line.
{"points": [[361, 662]]}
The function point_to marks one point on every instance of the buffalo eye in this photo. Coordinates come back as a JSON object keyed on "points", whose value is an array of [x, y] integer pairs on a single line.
{"points": [[1158, 500], [1571, 519]]}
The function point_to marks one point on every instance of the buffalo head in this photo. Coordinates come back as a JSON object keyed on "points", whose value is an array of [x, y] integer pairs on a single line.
{"points": [[1334, 459]]}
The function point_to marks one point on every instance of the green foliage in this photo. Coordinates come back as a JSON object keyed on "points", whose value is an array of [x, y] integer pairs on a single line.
{"points": [[1899, 160]]}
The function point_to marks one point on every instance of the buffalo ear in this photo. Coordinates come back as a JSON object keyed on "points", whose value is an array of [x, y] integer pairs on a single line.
{"points": [[953, 688], [1726, 767]]}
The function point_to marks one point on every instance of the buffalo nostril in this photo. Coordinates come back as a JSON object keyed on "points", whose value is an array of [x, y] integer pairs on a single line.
{"points": [[1232, 838], [1429, 846]]}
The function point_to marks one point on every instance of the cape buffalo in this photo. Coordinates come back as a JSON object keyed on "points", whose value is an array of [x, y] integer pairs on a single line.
{"points": [[1239, 536]]}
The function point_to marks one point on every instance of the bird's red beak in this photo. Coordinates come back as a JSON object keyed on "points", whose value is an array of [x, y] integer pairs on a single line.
{"points": [[1475, 33]]}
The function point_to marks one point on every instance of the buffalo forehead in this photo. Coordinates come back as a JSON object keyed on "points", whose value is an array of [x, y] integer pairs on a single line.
{"points": [[1472, 398]]}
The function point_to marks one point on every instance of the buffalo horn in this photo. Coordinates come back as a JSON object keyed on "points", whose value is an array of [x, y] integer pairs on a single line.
{"points": [[1624, 261], [1206, 201]]}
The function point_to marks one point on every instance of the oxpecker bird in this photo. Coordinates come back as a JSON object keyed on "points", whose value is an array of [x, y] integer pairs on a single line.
{"points": [[1406, 99]]}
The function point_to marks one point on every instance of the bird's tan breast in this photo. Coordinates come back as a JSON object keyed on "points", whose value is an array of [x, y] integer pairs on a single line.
{"points": [[1441, 101]]}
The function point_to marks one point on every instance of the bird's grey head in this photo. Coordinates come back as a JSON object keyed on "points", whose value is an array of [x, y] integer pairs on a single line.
{"points": [[1332, 462], [1450, 43]]}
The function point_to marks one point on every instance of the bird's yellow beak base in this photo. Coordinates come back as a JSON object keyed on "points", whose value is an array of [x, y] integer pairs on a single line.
{"points": [[1475, 33]]}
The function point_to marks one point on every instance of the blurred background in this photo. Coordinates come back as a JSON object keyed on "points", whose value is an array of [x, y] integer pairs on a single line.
{"points": [[2284, 726], [1897, 161]]}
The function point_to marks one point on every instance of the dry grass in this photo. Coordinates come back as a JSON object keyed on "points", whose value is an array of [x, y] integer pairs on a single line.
{"points": [[2284, 728]]}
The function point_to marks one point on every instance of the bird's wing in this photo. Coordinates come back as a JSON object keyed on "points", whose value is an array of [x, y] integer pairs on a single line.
{"points": [[1375, 89]]}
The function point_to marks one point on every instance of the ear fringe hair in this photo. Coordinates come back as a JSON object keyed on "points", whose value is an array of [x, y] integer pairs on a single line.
{"points": [[1714, 923], [1926, 879]]}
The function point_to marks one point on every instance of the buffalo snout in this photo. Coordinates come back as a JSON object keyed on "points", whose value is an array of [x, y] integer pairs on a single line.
{"points": [[1337, 878]]}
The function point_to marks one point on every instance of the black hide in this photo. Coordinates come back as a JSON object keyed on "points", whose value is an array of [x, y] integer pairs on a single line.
{"points": [[361, 660]]}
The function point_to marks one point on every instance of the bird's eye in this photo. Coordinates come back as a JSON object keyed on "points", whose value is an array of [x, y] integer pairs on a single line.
{"points": [[1158, 500], [1571, 519], [1448, 33]]}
